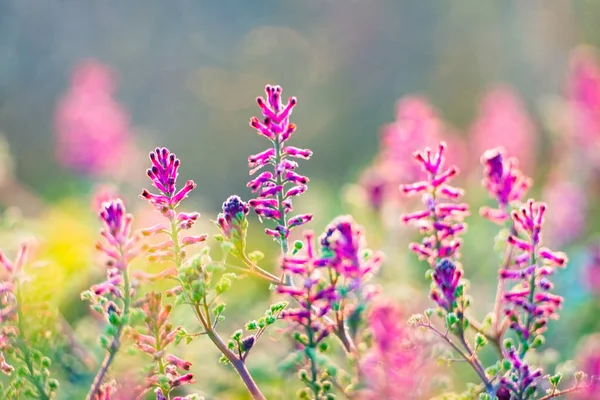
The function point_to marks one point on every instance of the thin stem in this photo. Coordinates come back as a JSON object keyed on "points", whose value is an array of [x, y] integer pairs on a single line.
{"points": [[470, 359], [563, 392], [236, 362], [24, 349], [311, 355], [116, 341]]}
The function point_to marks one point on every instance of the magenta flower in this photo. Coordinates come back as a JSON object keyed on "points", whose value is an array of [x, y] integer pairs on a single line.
{"points": [[278, 187], [520, 380], [342, 244], [314, 296], [163, 174], [529, 303], [588, 361], [505, 183], [231, 220], [119, 246], [441, 221], [446, 277], [92, 129], [503, 121]]}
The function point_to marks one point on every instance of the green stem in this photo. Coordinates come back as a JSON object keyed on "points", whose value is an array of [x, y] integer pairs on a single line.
{"points": [[311, 356], [24, 349], [237, 363], [115, 344]]}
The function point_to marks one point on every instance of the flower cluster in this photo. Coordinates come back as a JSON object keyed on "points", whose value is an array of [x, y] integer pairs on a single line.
{"points": [[332, 293], [315, 296], [163, 174], [274, 199], [583, 96], [442, 222], [342, 243], [92, 129], [505, 183], [530, 303], [520, 382], [159, 334], [446, 277], [233, 224], [119, 246], [112, 299]]}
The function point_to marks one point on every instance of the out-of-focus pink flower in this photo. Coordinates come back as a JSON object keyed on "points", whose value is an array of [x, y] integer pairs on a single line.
{"points": [[591, 274], [417, 126], [92, 129], [503, 121], [569, 204], [504, 182], [583, 96], [588, 361], [393, 367]]}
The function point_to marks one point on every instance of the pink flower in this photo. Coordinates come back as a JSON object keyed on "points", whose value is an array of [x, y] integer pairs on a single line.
{"points": [[568, 217], [583, 96], [503, 121], [272, 203], [92, 129]]}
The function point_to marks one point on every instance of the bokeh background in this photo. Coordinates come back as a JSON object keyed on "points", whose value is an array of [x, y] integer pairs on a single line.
{"points": [[87, 88]]}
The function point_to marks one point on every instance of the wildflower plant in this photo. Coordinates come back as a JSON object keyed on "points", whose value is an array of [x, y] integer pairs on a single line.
{"points": [[32, 377], [345, 338], [521, 313], [113, 298]]}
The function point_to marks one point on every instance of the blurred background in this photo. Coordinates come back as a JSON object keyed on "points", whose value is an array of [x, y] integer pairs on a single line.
{"points": [[88, 88]]}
